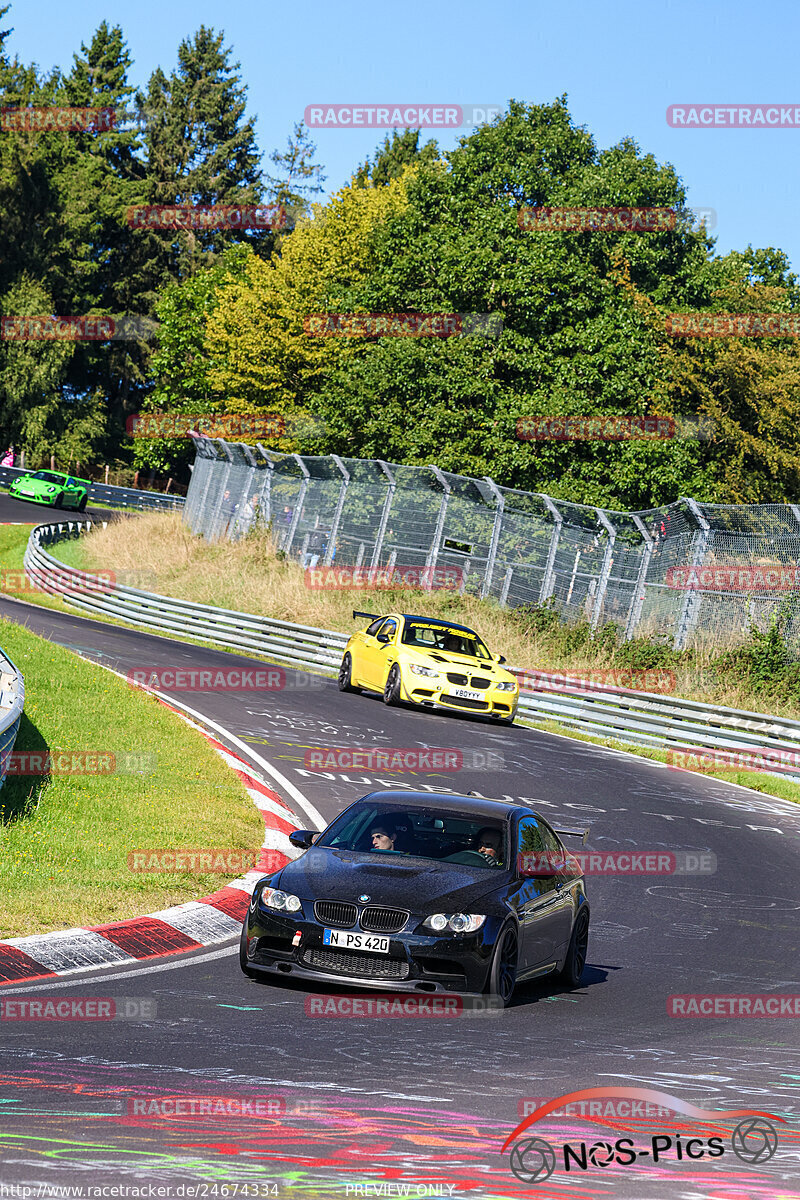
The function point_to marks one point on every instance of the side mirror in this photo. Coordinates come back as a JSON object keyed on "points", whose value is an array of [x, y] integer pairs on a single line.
{"points": [[499, 658], [540, 864], [303, 838], [383, 638]]}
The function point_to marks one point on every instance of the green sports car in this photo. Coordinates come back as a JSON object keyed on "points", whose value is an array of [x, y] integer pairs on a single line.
{"points": [[51, 487]]}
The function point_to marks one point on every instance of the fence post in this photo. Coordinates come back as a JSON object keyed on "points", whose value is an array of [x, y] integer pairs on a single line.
{"points": [[433, 553], [495, 538], [387, 504], [690, 608], [337, 516], [637, 600], [298, 508], [265, 495], [548, 582], [605, 570]]}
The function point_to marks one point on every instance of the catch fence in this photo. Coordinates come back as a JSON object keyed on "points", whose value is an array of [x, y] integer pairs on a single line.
{"points": [[684, 573]]}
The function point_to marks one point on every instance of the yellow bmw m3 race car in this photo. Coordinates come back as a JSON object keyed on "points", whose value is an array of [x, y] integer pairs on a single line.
{"points": [[428, 662]]}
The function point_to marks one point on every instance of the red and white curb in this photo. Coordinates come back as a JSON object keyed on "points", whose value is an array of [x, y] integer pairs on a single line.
{"points": [[188, 926]]}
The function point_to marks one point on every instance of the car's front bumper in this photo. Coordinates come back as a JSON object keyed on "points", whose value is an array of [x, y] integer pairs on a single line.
{"points": [[430, 694], [415, 962], [20, 495]]}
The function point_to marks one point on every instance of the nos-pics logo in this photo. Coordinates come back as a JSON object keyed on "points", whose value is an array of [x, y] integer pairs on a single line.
{"points": [[753, 1140]]}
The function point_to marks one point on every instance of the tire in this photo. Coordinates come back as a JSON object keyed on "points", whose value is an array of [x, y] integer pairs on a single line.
{"points": [[502, 978], [243, 963], [576, 952], [391, 692], [346, 674], [59, 502], [82, 503]]}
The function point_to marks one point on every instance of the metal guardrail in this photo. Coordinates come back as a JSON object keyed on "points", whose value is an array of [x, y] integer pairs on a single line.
{"points": [[283, 641], [646, 718], [12, 700], [104, 493]]}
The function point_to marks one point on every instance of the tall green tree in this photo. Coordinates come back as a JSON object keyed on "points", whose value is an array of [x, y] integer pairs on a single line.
{"points": [[391, 159], [298, 178]]}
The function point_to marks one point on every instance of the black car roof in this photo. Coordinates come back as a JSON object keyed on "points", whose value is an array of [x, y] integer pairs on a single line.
{"points": [[478, 806], [437, 621]]}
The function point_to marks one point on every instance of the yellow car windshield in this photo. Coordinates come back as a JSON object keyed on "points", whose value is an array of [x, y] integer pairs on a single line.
{"points": [[434, 635]]}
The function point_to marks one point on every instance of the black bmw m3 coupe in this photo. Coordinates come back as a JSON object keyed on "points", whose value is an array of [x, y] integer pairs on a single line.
{"points": [[408, 891]]}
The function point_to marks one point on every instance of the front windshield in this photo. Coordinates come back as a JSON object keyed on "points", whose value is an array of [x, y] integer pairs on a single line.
{"points": [[47, 477], [437, 635], [388, 831]]}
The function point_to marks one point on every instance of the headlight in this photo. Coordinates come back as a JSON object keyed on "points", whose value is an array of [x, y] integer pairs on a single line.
{"points": [[51, 488], [458, 922], [281, 901], [505, 687], [417, 670]]}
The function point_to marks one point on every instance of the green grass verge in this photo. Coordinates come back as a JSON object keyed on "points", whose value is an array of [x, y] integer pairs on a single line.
{"points": [[65, 839]]}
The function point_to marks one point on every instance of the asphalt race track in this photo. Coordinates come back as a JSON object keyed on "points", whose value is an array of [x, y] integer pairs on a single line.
{"points": [[349, 1103], [25, 512]]}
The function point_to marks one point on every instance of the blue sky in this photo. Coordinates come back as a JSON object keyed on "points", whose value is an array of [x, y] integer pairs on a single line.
{"points": [[621, 64]]}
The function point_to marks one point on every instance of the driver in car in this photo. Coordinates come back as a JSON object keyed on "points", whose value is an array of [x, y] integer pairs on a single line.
{"points": [[383, 837], [490, 846]]}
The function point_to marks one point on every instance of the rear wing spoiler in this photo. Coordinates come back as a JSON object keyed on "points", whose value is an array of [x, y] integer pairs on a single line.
{"points": [[368, 616], [581, 833]]}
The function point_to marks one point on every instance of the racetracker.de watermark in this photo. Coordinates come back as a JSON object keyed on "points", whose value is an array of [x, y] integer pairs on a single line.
{"points": [[49, 328], [50, 579], [439, 578], [181, 679], [205, 217], [80, 762], [561, 428], [78, 1008], [617, 862], [734, 116], [208, 860], [420, 325], [213, 425], [356, 758], [653, 679], [171, 1107], [414, 1006], [735, 1005], [399, 116], [596, 220], [727, 577], [771, 759], [722, 325], [56, 119], [622, 1108]]}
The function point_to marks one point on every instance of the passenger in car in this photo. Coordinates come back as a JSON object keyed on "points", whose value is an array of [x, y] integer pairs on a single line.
{"points": [[490, 844]]}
